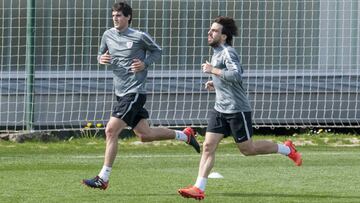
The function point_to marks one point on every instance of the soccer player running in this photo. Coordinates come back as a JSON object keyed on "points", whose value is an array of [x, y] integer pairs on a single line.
{"points": [[232, 111], [130, 52]]}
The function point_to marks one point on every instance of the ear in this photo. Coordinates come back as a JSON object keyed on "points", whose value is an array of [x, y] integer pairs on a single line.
{"points": [[128, 18], [223, 37]]}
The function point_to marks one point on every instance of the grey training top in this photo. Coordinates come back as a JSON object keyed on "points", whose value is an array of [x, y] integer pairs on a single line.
{"points": [[231, 96], [124, 47]]}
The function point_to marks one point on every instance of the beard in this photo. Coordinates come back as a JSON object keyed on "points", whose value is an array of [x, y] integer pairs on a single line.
{"points": [[214, 43]]}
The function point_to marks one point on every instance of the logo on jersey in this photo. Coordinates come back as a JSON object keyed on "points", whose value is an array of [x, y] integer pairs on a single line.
{"points": [[129, 44]]}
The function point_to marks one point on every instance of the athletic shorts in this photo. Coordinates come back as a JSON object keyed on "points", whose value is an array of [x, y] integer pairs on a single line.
{"points": [[130, 109], [238, 125]]}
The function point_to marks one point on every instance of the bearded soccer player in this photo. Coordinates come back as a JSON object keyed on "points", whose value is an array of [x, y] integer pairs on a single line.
{"points": [[232, 112]]}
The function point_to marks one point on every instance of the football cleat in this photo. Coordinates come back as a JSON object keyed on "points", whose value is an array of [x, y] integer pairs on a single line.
{"points": [[294, 155], [190, 133], [192, 192], [96, 182]]}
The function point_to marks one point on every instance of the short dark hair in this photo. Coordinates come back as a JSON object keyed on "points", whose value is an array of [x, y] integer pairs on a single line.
{"points": [[229, 27], [124, 7]]}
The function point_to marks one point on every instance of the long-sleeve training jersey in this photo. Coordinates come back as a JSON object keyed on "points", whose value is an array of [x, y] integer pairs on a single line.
{"points": [[124, 47], [231, 96]]}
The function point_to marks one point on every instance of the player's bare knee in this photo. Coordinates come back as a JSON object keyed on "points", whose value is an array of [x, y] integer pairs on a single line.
{"points": [[208, 148], [109, 132]]}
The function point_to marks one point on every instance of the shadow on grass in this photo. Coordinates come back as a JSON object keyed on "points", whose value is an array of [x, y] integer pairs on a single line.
{"points": [[147, 194], [280, 195], [254, 195]]}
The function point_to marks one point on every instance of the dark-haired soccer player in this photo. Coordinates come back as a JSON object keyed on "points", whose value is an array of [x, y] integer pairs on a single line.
{"points": [[130, 52], [232, 111]]}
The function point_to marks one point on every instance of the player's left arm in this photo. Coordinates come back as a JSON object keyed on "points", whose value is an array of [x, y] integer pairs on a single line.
{"points": [[153, 49], [154, 53]]}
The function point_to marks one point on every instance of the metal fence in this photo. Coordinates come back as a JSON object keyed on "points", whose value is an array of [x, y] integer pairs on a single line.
{"points": [[301, 61]]}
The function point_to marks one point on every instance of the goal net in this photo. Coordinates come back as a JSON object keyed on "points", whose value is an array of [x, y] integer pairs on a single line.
{"points": [[300, 60]]}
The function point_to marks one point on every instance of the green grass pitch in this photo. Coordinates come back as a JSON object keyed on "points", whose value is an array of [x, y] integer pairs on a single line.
{"points": [[51, 172]]}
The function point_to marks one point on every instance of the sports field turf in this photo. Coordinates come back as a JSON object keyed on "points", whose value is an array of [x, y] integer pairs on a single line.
{"points": [[51, 172]]}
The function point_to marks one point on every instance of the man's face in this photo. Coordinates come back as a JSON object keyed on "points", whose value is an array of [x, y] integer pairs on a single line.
{"points": [[121, 22], [215, 38]]}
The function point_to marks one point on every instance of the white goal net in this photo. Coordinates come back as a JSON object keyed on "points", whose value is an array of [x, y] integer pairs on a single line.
{"points": [[300, 58]]}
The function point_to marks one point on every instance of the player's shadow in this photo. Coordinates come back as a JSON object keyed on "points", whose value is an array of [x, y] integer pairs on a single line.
{"points": [[147, 194], [280, 195]]}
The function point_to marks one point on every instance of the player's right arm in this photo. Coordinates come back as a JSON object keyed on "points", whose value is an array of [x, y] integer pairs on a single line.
{"points": [[104, 56]]}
